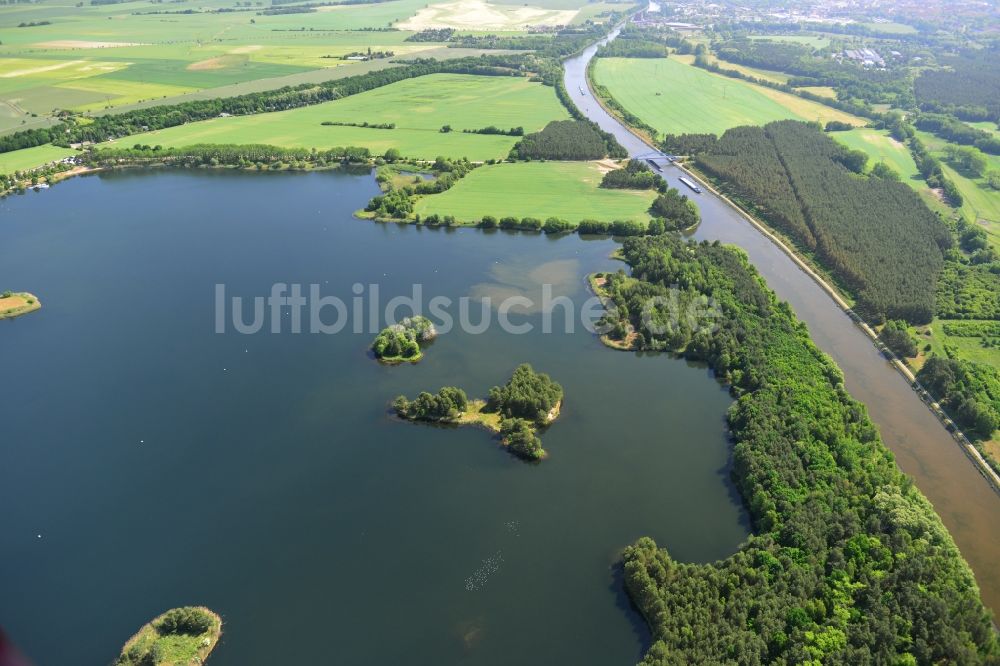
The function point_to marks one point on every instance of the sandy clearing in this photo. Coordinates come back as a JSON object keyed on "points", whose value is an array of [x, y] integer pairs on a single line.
{"points": [[249, 48], [82, 44], [219, 62], [38, 70], [12, 302], [606, 165], [480, 15]]}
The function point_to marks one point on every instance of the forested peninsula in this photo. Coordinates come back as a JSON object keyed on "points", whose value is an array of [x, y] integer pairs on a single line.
{"points": [[849, 563]]}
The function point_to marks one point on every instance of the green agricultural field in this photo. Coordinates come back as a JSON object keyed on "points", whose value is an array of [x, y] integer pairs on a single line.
{"points": [[568, 190], [675, 97], [483, 15], [881, 147], [419, 107], [29, 158], [89, 57], [592, 11]]}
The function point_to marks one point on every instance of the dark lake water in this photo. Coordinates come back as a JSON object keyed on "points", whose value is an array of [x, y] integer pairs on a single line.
{"points": [[164, 464]]}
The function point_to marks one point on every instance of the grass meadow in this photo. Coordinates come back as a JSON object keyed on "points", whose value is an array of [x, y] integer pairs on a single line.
{"points": [[881, 147], [419, 107], [675, 97], [568, 190], [29, 158]]}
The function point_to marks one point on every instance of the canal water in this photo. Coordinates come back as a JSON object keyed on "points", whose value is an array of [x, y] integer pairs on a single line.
{"points": [[967, 504]]}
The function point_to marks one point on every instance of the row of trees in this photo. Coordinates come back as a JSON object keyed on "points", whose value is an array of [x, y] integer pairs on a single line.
{"points": [[237, 155], [928, 165], [956, 131], [848, 564], [807, 185]]}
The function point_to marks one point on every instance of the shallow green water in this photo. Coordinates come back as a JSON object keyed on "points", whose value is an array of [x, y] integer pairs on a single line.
{"points": [[164, 464]]}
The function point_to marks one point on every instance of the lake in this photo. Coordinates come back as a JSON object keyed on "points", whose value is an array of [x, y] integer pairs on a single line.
{"points": [[148, 461]]}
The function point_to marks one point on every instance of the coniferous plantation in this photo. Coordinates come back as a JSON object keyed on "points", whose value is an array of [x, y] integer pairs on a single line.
{"points": [[849, 563], [874, 235], [569, 140], [969, 88]]}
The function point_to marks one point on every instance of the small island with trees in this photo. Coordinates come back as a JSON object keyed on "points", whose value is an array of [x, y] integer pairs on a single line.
{"points": [[179, 637], [401, 342], [14, 304], [515, 411]]}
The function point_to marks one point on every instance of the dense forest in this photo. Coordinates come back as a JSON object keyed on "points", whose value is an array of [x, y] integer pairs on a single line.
{"points": [[969, 89], [635, 175], [445, 405], [569, 140], [401, 342], [117, 125], [849, 563], [527, 395], [969, 392], [969, 291], [632, 48], [688, 144], [675, 209], [874, 235]]}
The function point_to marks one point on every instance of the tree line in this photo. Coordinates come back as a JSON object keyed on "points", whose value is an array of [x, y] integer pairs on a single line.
{"points": [[808, 186], [958, 132], [848, 563]]}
